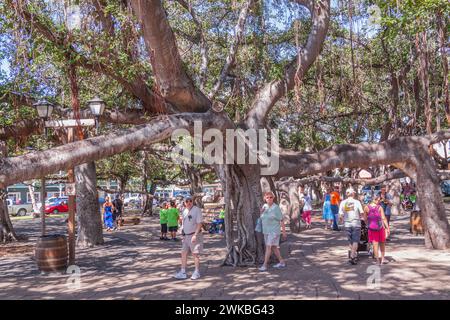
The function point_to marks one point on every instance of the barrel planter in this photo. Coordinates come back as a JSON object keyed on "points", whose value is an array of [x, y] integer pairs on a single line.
{"points": [[52, 253], [416, 225]]}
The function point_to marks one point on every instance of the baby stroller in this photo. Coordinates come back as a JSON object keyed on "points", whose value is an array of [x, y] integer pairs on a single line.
{"points": [[364, 246], [217, 226]]}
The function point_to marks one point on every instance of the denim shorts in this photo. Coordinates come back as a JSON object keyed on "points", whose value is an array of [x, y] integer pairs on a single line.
{"points": [[353, 234]]}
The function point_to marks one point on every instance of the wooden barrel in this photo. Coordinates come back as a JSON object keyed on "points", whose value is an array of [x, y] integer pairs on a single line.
{"points": [[51, 253], [416, 223]]}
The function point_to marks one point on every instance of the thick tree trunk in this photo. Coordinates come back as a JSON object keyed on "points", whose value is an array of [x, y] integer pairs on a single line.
{"points": [[441, 23], [148, 207], [243, 201], [31, 190], [195, 179], [436, 226], [395, 189], [90, 231], [7, 233], [291, 191]]}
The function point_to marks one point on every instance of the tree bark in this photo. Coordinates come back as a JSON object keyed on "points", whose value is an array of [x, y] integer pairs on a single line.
{"points": [[90, 229], [290, 189], [195, 179], [436, 226], [31, 190], [243, 201], [174, 84], [7, 232], [442, 47]]}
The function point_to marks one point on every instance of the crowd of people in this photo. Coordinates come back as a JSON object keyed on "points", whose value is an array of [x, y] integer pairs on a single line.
{"points": [[371, 213]]}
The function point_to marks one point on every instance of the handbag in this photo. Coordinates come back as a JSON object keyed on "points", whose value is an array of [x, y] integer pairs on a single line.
{"points": [[258, 227]]}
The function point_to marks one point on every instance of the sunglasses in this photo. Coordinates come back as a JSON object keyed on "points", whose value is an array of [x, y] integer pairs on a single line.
{"points": [[188, 201]]}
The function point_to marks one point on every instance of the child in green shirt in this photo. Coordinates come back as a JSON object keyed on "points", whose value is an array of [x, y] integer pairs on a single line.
{"points": [[163, 221], [173, 215]]}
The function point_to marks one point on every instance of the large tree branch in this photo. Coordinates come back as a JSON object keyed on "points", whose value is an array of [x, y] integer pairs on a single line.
{"points": [[174, 84], [37, 164], [230, 60], [396, 174], [294, 72], [363, 155]]}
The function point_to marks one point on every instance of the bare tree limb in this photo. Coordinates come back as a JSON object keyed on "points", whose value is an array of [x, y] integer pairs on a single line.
{"points": [[201, 41], [230, 60], [274, 90]]}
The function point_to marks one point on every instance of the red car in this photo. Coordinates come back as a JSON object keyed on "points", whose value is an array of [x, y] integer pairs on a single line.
{"points": [[57, 207]]}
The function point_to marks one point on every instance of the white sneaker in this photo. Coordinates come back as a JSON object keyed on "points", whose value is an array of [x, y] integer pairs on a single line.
{"points": [[280, 265], [195, 275], [181, 275], [262, 268]]}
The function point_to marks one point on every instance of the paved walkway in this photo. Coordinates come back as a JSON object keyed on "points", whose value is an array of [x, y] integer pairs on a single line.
{"points": [[135, 264]]}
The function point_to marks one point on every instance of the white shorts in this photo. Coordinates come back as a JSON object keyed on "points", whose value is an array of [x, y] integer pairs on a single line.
{"points": [[196, 247], [272, 239]]}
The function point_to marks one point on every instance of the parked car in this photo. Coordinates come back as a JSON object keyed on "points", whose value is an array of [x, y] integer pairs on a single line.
{"points": [[445, 187], [18, 209], [134, 200], [368, 190], [52, 200], [60, 205]]}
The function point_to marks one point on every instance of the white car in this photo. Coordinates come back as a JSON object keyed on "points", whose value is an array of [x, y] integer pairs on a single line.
{"points": [[18, 209], [132, 200]]}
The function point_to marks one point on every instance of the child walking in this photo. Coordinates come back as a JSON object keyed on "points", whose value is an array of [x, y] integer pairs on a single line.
{"points": [[307, 208], [173, 215], [163, 221]]}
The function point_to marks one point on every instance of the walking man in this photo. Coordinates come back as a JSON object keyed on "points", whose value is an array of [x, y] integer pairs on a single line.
{"points": [[117, 213], [335, 201], [192, 238], [386, 204], [351, 209]]}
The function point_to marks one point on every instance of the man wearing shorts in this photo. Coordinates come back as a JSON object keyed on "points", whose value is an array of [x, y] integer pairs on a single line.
{"points": [[192, 238], [351, 209], [335, 200]]}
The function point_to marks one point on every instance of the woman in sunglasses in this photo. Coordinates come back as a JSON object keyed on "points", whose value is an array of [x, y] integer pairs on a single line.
{"points": [[272, 218]]}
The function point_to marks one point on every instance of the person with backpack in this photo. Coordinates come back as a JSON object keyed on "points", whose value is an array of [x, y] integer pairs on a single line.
{"points": [[351, 210], [378, 228]]}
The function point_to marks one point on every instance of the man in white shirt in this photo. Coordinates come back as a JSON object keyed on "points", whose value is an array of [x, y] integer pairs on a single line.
{"points": [[351, 209], [192, 238]]}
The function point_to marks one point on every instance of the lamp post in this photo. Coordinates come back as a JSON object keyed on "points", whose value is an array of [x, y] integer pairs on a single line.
{"points": [[97, 107], [45, 109]]}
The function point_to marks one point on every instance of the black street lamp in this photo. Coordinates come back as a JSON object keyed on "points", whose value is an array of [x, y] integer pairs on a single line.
{"points": [[97, 107], [44, 110]]}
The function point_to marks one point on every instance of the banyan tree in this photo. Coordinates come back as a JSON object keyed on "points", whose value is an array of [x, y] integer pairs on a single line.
{"points": [[171, 96]]}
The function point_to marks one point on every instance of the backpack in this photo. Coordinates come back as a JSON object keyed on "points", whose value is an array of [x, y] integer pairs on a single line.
{"points": [[374, 218]]}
